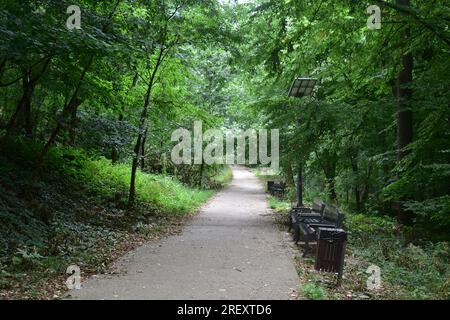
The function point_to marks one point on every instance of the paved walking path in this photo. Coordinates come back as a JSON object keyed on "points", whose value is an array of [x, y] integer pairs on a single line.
{"points": [[231, 250]]}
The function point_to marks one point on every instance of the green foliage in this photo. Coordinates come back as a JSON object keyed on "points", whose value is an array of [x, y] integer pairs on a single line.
{"points": [[71, 107], [419, 271], [26, 258], [163, 193], [223, 178], [278, 205], [145, 68], [365, 229], [345, 134], [19, 226], [314, 292], [88, 223]]}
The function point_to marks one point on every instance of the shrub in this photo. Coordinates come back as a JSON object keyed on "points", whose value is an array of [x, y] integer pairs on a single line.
{"points": [[314, 292]]}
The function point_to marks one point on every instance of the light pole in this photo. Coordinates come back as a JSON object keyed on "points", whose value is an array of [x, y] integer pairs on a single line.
{"points": [[301, 87]]}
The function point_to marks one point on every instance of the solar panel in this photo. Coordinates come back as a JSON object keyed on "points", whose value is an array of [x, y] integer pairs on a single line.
{"points": [[302, 87]]}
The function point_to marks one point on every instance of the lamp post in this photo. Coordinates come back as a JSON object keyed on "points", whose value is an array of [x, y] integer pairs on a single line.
{"points": [[301, 87]]}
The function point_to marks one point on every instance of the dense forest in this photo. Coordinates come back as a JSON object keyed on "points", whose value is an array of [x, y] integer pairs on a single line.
{"points": [[86, 117]]}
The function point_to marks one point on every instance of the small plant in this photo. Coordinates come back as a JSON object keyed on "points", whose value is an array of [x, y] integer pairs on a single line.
{"points": [[278, 205], [314, 292], [4, 278], [25, 259]]}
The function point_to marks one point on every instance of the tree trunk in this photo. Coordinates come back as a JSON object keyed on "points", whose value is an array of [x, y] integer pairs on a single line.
{"points": [[138, 147], [134, 166], [331, 188], [23, 109], [142, 127], [22, 117], [200, 179], [144, 139], [2, 66], [22, 114], [40, 160], [114, 155], [289, 175], [73, 123], [404, 112], [28, 123], [68, 108], [328, 164], [299, 184], [356, 185], [115, 151], [365, 193]]}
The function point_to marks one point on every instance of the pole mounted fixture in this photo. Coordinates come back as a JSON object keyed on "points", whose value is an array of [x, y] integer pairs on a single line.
{"points": [[302, 87]]}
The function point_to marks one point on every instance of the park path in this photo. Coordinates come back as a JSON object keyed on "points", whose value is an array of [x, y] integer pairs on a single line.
{"points": [[231, 250]]}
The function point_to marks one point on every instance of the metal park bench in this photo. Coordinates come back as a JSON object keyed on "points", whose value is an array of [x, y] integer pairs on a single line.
{"points": [[321, 223], [307, 225], [298, 213]]}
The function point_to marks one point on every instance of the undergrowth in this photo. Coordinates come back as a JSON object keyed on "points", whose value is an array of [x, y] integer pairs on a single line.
{"points": [[419, 270], [76, 213]]}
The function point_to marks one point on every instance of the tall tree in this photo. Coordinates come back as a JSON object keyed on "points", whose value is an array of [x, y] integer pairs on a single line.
{"points": [[403, 91]]}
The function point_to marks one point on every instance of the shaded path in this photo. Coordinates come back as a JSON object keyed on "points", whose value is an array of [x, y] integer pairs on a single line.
{"points": [[231, 250]]}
